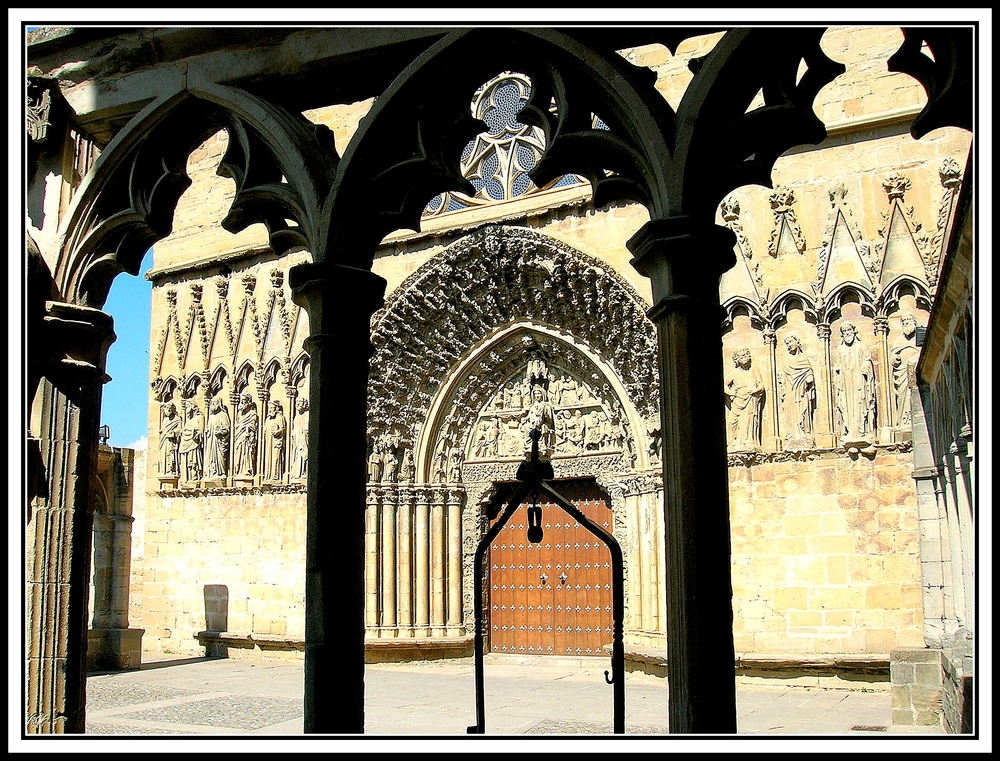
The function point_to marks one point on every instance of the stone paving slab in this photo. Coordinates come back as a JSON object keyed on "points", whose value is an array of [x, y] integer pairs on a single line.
{"points": [[224, 697]]}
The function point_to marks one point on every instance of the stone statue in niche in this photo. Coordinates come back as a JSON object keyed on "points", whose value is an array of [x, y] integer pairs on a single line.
{"points": [[275, 429], [798, 394], [407, 469], [299, 465], [192, 440], [375, 464], [854, 384], [541, 417], [745, 394], [245, 438], [170, 436], [902, 360], [388, 444], [217, 435], [441, 462]]}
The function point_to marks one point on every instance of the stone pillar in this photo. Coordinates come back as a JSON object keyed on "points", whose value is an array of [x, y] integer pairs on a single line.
{"points": [[111, 643], [421, 564], [455, 561], [771, 397], [684, 260], [886, 412], [437, 564], [73, 346], [404, 575], [387, 605], [647, 562], [340, 301], [830, 437], [636, 571], [371, 558]]}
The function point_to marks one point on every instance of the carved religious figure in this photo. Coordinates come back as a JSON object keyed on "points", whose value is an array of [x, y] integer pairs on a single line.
{"points": [[170, 436], [192, 439], [902, 360], [275, 429], [576, 431], [375, 464], [537, 368], [486, 443], [299, 465], [455, 465], [217, 437], [390, 463], [798, 394], [540, 417], [245, 438], [854, 382], [745, 393], [407, 468], [594, 436]]}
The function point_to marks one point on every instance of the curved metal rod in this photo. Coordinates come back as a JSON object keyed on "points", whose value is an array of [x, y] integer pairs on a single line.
{"points": [[532, 474], [479, 727]]}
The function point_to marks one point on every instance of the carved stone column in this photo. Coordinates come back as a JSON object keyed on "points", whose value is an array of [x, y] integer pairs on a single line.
{"points": [[404, 575], [73, 345], [684, 260], [886, 400], [455, 561], [830, 437], [421, 564], [387, 620], [371, 559], [340, 302], [771, 397], [437, 563]]}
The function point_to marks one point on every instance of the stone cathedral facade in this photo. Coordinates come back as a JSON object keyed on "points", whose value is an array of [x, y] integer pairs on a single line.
{"points": [[518, 305]]}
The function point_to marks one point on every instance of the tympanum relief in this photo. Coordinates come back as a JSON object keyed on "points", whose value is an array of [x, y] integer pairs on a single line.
{"points": [[573, 419]]}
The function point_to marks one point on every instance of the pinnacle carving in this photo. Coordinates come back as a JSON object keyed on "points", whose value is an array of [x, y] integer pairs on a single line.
{"points": [[896, 185]]}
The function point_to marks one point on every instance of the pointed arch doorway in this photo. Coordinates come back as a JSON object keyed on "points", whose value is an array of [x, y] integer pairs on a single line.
{"points": [[555, 597]]}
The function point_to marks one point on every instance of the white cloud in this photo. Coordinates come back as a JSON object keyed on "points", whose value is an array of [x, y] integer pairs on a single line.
{"points": [[141, 443]]}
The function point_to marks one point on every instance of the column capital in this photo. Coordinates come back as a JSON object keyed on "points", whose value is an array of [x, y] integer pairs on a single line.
{"points": [[75, 340], [684, 257], [823, 330], [333, 294], [881, 324]]}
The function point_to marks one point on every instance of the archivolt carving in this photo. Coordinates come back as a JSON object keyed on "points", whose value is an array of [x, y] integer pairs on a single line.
{"points": [[481, 284]]}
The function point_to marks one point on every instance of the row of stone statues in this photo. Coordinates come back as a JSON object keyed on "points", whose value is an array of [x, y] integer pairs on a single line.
{"points": [[854, 391], [192, 449]]}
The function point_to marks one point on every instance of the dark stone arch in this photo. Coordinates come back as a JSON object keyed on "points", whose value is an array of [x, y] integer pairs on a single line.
{"points": [[282, 165]]}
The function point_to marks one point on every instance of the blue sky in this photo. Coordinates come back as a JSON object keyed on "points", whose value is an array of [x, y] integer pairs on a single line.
{"points": [[126, 397]]}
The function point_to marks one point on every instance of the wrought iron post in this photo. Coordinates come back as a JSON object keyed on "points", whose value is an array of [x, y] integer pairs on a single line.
{"points": [[533, 474]]}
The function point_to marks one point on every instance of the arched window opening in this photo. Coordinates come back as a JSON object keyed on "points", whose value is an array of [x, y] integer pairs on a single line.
{"points": [[497, 162]]}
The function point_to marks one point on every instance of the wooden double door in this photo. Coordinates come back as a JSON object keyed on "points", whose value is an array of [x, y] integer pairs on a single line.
{"points": [[552, 598]]}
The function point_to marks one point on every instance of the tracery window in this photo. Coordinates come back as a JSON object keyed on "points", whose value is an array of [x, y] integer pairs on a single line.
{"points": [[497, 162]]}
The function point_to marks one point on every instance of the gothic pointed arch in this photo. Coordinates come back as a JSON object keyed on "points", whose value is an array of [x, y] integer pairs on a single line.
{"points": [[282, 165], [479, 288]]}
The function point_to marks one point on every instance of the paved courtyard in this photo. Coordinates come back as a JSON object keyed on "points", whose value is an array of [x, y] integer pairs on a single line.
{"points": [[199, 696]]}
